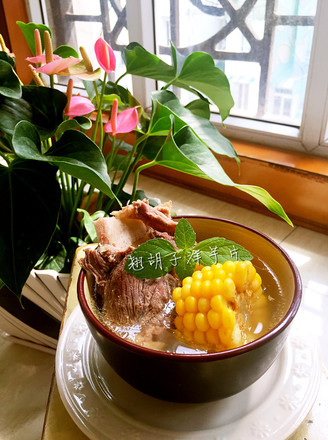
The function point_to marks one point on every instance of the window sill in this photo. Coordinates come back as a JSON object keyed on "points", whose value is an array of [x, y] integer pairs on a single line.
{"points": [[297, 180]]}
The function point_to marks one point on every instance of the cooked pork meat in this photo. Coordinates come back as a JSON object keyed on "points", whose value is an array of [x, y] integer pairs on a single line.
{"points": [[121, 234], [157, 218], [131, 300], [127, 299], [101, 260]]}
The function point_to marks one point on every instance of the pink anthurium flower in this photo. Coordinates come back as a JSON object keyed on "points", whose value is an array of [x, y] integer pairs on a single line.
{"points": [[105, 55], [40, 59], [79, 106], [123, 122], [58, 66]]}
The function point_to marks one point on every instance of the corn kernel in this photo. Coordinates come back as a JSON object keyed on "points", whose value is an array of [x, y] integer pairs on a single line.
{"points": [[213, 319], [180, 307], [256, 283], [185, 291], [207, 273], [228, 318], [216, 286], [187, 280], [204, 305], [178, 321], [206, 288], [218, 303], [229, 268], [188, 335], [176, 294], [225, 338], [199, 337], [220, 273], [212, 336], [189, 321], [197, 275], [191, 304], [201, 322], [240, 276], [229, 289], [196, 288]]}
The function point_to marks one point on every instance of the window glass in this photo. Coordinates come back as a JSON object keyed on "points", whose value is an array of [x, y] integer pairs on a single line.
{"points": [[263, 47], [81, 22]]}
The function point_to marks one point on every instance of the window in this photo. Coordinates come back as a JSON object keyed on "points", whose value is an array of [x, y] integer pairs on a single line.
{"points": [[272, 51]]}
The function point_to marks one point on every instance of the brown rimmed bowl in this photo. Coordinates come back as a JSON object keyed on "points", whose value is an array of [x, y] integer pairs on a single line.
{"points": [[193, 378]]}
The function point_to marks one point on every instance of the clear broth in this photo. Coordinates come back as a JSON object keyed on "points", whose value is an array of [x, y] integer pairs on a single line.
{"points": [[255, 321]]}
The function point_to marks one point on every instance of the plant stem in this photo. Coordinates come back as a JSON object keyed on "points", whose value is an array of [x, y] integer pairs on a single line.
{"points": [[136, 176], [99, 116], [96, 93], [90, 194], [68, 191], [113, 152], [120, 77], [128, 169], [99, 201], [63, 191], [4, 147], [168, 84], [75, 205], [111, 155]]}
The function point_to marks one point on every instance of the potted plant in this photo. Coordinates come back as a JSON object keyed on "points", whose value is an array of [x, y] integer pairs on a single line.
{"points": [[59, 170]]}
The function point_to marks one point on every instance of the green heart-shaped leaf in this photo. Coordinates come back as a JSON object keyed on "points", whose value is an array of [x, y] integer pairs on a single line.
{"points": [[28, 31], [166, 103], [196, 73], [77, 122], [9, 82], [5, 57], [140, 62], [41, 106], [200, 72], [185, 152], [74, 154], [26, 187], [66, 51]]}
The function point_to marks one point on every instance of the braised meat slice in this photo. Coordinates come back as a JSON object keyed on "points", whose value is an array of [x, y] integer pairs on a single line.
{"points": [[121, 234], [157, 218], [131, 300], [101, 260]]}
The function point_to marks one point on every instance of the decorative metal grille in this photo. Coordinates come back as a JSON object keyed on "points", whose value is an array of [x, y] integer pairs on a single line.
{"points": [[233, 16], [260, 49], [63, 17]]}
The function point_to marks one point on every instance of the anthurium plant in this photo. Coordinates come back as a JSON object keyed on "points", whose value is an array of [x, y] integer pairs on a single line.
{"points": [[65, 159]]}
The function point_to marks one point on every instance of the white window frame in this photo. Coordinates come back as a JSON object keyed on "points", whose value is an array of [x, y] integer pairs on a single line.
{"points": [[309, 138]]}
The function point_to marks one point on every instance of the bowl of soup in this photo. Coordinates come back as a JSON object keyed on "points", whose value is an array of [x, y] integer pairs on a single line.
{"points": [[175, 369]]}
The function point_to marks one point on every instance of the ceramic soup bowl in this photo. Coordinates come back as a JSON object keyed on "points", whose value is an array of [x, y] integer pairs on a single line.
{"points": [[203, 377]]}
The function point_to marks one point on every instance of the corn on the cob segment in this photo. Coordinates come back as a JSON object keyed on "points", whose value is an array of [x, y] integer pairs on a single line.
{"points": [[207, 304]]}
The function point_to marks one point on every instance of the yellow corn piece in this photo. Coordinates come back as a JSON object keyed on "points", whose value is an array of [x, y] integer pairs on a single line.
{"points": [[207, 304]]}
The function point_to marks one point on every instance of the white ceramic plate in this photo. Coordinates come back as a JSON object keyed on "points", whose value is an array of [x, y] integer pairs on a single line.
{"points": [[105, 407]]}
